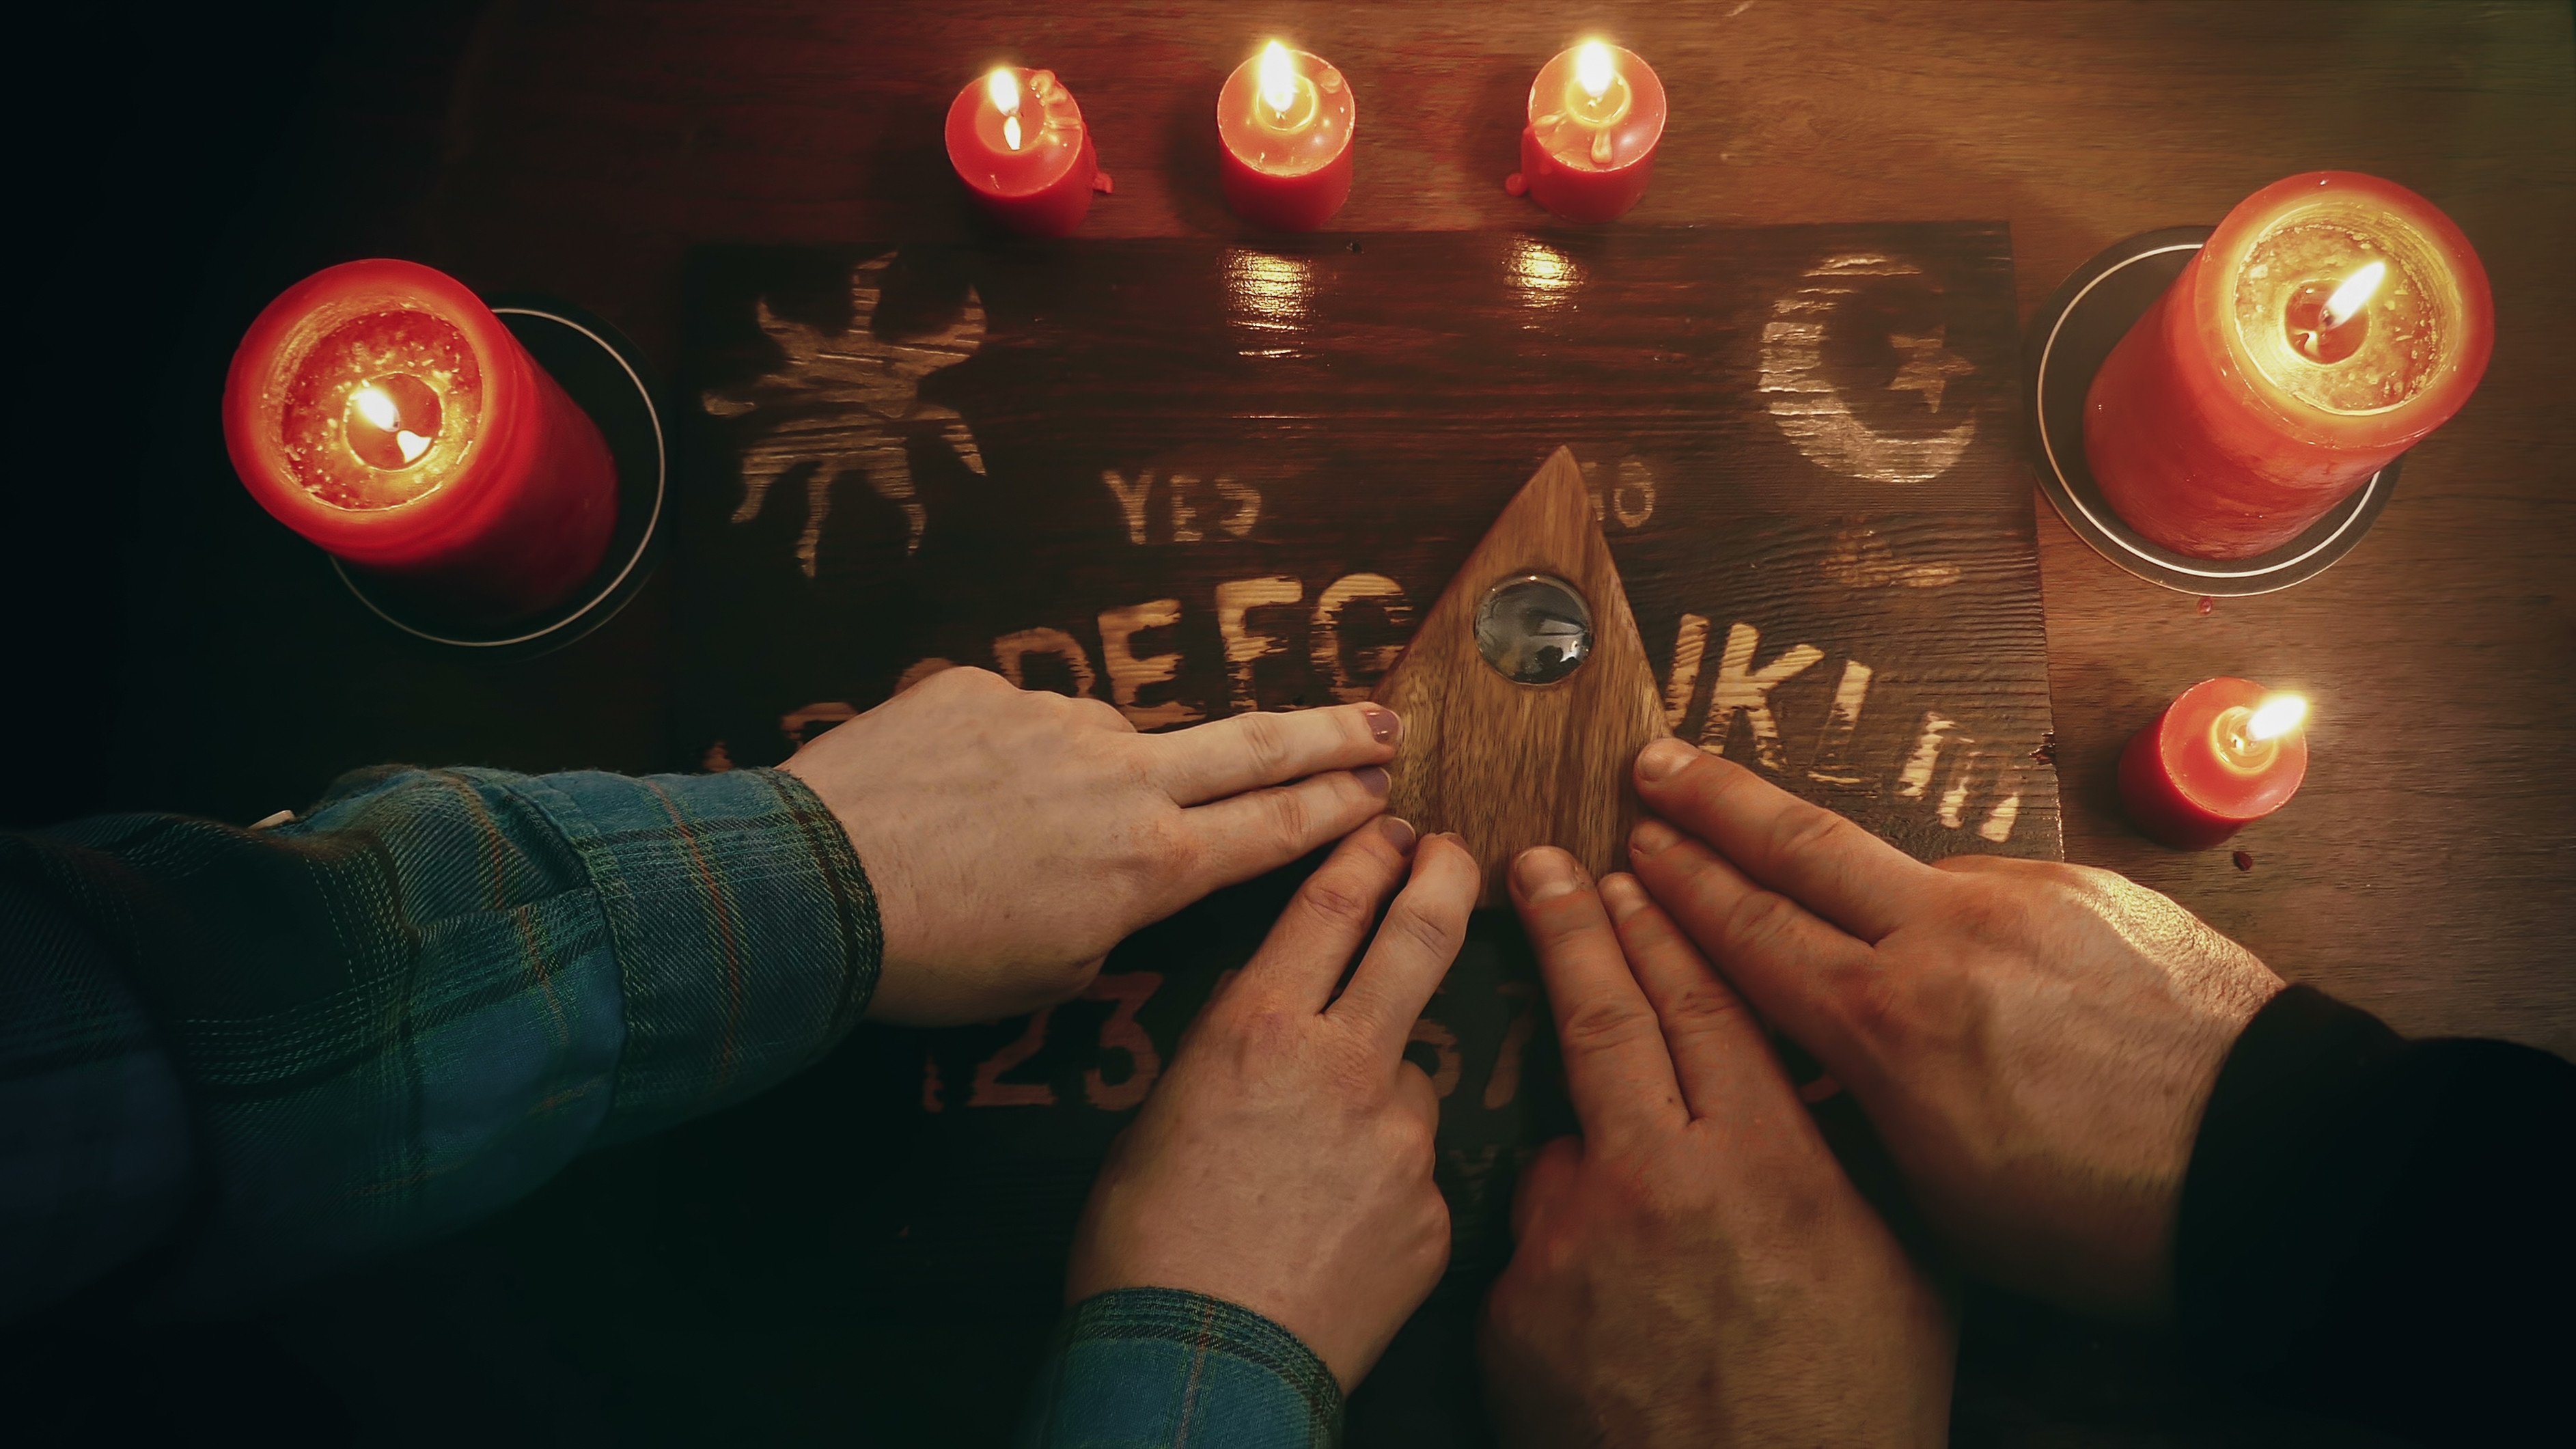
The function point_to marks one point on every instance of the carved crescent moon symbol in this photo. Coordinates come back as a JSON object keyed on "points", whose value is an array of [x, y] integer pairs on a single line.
{"points": [[1812, 413]]}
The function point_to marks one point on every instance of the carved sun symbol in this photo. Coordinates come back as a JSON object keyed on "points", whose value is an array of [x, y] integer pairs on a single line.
{"points": [[841, 403]]}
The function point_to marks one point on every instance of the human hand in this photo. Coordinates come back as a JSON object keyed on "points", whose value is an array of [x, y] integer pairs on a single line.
{"points": [[1013, 836], [1696, 1269], [1283, 1162], [2033, 1041]]}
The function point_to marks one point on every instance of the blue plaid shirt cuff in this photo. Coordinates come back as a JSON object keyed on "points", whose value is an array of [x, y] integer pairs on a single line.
{"points": [[745, 931], [1159, 1366]]}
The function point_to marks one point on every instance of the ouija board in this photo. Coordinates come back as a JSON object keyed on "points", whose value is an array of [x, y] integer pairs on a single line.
{"points": [[1192, 477]]}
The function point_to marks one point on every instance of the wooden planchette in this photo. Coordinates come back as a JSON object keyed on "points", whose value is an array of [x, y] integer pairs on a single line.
{"points": [[1510, 765]]}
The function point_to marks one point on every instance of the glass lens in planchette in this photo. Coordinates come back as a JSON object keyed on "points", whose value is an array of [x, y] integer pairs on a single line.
{"points": [[1534, 629]]}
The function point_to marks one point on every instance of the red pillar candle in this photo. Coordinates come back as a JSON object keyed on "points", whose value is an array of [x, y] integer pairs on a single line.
{"points": [[1285, 120], [379, 409], [2226, 752], [1017, 140], [2330, 322], [1596, 113]]}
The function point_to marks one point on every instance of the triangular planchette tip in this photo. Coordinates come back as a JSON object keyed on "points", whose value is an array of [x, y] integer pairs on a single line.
{"points": [[1508, 764]]}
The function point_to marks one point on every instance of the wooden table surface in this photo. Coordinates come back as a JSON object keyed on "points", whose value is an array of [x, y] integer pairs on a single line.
{"points": [[2425, 869], [583, 147]]}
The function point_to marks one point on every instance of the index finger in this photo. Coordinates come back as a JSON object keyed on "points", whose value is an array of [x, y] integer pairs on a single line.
{"points": [[1805, 852], [1616, 1067], [1719, 1051], [1247, 751], [1414, 944], [1303, 957]]}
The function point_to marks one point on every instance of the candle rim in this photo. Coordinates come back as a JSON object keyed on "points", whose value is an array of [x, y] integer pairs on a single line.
{"points": [[1313, 67], [284, 333], [1048, 165], [2180, 730], [2211, 313], [1625, 66]]}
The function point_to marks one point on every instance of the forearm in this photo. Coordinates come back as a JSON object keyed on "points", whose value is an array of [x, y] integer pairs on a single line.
{"points": [[1161, 1366], [419, 1002], [2379, 1226]]}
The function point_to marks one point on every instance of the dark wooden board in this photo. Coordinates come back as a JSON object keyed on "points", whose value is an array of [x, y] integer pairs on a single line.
{"points": [[1192, 477], [1800, 441]]}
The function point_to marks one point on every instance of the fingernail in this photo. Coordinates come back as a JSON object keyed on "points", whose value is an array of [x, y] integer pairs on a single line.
{"points": [[1653, 837], [1621, 896], [1372, 778], [1385, 725], [1397, 832], [1662, 759], [1544, 873]]}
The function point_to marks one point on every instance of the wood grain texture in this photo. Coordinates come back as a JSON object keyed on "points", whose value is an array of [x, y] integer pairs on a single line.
{"points": [[587, 147], [1508, 765], [2427, 870], [1191, 478]]}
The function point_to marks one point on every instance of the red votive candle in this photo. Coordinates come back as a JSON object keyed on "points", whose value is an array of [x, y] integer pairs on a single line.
{"points": [[1596, 114], [1285, 120], [2330, 322], [2226, 752], [379, 409], [1017, 140]]}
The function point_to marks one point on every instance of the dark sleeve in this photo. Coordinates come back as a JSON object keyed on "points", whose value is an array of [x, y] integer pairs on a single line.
{"points": [[94, 1146], [2380, 1229], [398, 1014]]}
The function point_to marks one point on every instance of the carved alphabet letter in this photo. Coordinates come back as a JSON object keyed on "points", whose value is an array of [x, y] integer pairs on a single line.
{"points": [[1743, 689], [1233, 599], [1128, 674], [1351, 679], [1131, 499], [1011, 652]]}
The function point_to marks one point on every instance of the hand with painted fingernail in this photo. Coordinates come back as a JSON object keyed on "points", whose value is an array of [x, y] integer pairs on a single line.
{"points": [[1695, 1270], [1283, 1161], [2033, 1041], [1012, 836]]}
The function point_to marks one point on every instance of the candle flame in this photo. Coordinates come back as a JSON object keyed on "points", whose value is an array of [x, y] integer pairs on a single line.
{"points": [[378, 406], [1011, 132], [2353, 295], [1592, 69], [1003, 89], [1278, 79], [2276, 716]]}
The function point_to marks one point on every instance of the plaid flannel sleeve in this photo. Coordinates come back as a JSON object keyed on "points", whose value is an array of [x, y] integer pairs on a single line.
{"points": [[1158, 1366], [401, 1012]]}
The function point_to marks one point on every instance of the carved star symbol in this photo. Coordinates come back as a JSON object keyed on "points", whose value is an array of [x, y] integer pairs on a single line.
{"points": [[1929, 365], [841, 402]]}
